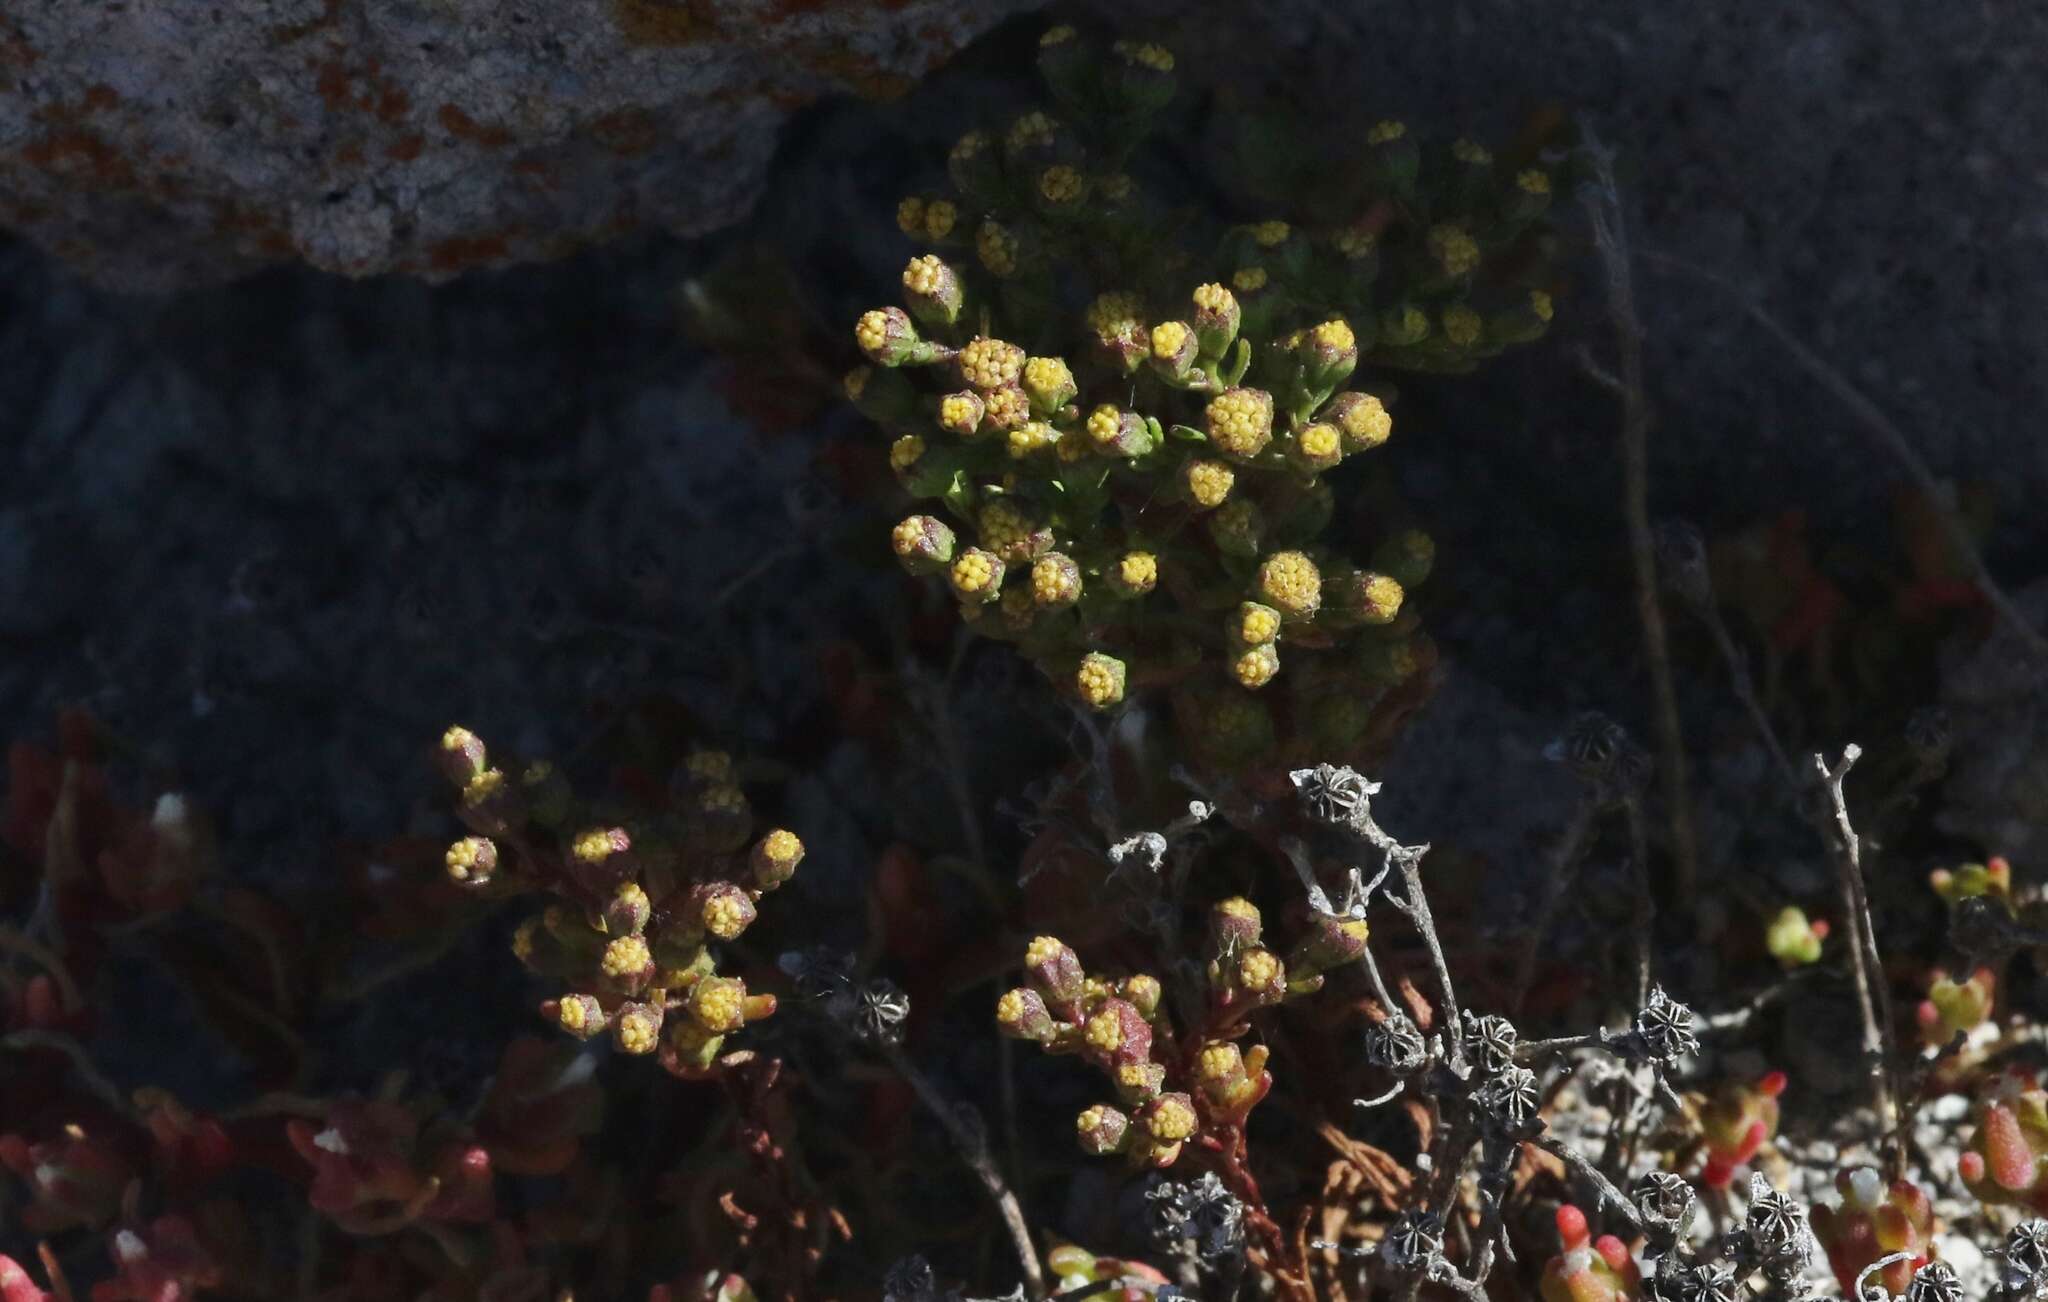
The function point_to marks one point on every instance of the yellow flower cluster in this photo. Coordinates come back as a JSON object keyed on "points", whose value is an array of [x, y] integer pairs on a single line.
{"points": [[1140, 507], [643, 974], [1117, 1024]]}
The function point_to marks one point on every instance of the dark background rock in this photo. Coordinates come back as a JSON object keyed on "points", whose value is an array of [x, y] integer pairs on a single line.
{"points": [[170, 144]]}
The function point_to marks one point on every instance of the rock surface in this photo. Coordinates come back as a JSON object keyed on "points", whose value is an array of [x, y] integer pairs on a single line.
{"points": [[167, 144]]}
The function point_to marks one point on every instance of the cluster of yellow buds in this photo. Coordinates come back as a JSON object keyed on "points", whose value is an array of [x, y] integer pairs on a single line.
{"points": [[1171, 1088], [636, 903], [1142, 506]]}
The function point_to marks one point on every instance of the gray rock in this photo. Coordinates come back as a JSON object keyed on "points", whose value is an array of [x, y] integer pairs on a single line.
{"points": [[187, 141]]}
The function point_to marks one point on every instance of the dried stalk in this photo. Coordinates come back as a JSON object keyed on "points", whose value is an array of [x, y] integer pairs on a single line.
{"points": [[1602, 202], [1872, 996]]}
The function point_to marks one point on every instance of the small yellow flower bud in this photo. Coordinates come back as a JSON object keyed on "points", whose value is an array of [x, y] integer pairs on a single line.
{"points": [[637, 1029], [923, 544], [1060, 185], [1364, 597], [1255, 666], [723, 909], [625, 957], [1291, 583], [1101, 1130], [1249, 280], [1021, 1014], [1136, 574], [977, 576], [1055, 580], [1049, 383], [1256, 624], [1168, 339], [1102, 425], [888, 337], [484, 787], [910, 215], [775, 857], [1455, 251], [1058, 35], [905, 452], [991, 363], [629, 910], [1470, 152], [1012, 535], [1386, 132], [1234, 924], [1241, 422], [598, 844], [960, 414], [1140, 1082], [1216, 319], [1259, 969], [1035, 130], [939, 217], [1007, 409], [1318, 448], [1218, 1062], [1104, 1032], [997, 248], [1357, 241], [1207, 483], [1143, 991], [1100, 680], [1533, 181], [1030, 438], [719, 1004], [1270, 234], [462, 754], [472, 860], [1361, 418], [1462, 326], [1539, 303], [580, 1015], [1116, 317], [1171, 1118]]}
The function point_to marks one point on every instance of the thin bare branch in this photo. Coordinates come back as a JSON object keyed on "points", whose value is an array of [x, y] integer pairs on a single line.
{"points": [[1873, 995], [1602, 202]]}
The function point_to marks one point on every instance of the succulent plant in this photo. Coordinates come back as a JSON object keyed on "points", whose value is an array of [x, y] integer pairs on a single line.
{"points": [[1588, 1269], [1875, 1219], [2006, 1160], [1738, 1120]]}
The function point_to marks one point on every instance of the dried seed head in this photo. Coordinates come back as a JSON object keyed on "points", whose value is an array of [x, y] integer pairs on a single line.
{"points": [[1492, 1039], [1332, 793], [1665, 1028], [1395, 1044]]}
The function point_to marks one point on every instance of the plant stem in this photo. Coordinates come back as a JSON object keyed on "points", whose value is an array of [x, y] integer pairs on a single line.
{"points": [[975, 1153], [1872, 993], [1602, 202]]}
